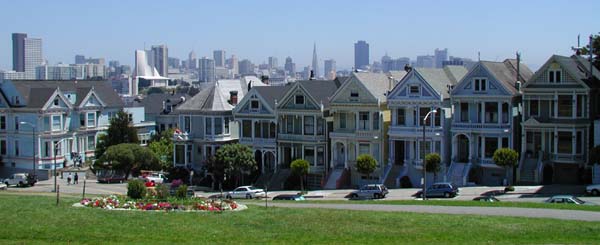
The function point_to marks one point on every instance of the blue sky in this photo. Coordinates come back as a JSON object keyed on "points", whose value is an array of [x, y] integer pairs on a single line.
{"points": [[258, 29]]}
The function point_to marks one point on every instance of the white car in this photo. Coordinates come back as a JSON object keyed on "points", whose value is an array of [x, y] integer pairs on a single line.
{"points": [[248, 192], [157, 178], [593, 190], [3, 186]]}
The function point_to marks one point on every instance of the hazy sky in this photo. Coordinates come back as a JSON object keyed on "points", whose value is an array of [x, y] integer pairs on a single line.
{"points": [[258, 29]]}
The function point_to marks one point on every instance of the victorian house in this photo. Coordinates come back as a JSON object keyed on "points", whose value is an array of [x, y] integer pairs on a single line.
{"points": [[560, 103], [486, 117], [421, 92], [360, 119]]}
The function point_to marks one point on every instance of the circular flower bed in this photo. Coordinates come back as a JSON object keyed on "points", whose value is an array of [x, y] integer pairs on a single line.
{"points": [[194, 204]]}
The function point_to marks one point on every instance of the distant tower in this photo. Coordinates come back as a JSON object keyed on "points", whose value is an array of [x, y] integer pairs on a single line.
{"points": [[315, 62], [19, 51], [361, 55]]}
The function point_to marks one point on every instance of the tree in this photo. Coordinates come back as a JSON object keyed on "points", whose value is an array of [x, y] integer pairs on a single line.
{"points": [[300, 167], [507, 158], [127, 157], [596, 51], [119, 131], [234, 159], [432, 163], [366, 164], [162, 147], [594, 155]]}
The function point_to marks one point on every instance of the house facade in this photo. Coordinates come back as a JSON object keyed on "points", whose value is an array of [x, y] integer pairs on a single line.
{"points": [[560, 103], [485, 117], [418, 93]]}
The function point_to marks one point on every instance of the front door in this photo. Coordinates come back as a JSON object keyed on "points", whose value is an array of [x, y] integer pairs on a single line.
{"points": [[287, 157], [463, 148], [399, 152]]}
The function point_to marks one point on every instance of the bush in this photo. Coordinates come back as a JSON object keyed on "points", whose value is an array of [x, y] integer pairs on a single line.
{"points": [[176, 183], [181, 192], [162, 191], [136, 189], [509, 188], [405, 182]]}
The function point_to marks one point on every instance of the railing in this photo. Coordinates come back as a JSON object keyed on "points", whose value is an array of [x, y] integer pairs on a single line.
{"points": [[566, 157], [386, 172], [520, 166], [538, 168], [465, 174], [258, 141], [355, 134], [299, 137], [480, 125], [414, 129]]}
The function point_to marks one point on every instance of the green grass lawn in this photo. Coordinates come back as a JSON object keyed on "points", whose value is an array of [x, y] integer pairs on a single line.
{"points": [[466, 203], [35, 219]]}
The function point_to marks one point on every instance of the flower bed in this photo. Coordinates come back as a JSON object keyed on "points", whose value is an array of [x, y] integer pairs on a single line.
{"points": [[113, 202]]}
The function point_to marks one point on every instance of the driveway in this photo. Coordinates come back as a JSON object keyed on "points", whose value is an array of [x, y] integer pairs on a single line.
{"points": [[490, 211]]}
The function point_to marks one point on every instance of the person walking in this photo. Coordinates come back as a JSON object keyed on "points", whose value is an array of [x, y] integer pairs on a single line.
{"points": [[76, 179], [69, 179]]}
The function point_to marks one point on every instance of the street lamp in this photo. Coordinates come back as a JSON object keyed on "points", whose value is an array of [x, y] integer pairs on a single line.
{"points": [[32, 141], [424, 192], [56, 153]]}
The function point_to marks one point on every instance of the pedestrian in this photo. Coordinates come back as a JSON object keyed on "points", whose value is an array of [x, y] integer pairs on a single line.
{"points": [[76, 179], [69, 179]]}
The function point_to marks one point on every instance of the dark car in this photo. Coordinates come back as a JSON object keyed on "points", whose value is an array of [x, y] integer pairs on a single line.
{"points": [[486, 199], [289, 197], [112, 178], [446, 190]]}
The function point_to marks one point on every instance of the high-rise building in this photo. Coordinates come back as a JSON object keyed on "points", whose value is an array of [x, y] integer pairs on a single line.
{"points": [[174, 62], [33, 56], [394, 64], [79, 59], [234, 65], [330, 69], [160, 59], [18, 40], [441, 55], [192, 60], [315, 62], [361, 55], [246, 67], [273, 62], [206, 70], [425, 61], [96, 61], [219, 57], [290, 67]]}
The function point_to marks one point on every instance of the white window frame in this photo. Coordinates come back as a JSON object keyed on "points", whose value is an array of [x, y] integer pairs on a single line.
{"points": [[60, 126], [87, 119], [296, 99], [552, 73], [410, 89], [480, 84], [252, 109]]}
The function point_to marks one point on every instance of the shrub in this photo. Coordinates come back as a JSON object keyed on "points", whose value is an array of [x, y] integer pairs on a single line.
{"points": [[162, 191], [366, 164], [405, 182], [176, 183], [136, 189], [181, 192]]}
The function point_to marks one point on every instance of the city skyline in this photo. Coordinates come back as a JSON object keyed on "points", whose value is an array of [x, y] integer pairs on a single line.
{"points": [[290, 33]]}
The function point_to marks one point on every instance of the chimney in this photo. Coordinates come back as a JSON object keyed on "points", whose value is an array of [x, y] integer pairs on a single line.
{"points": [[518, 83], [233, 97], [312, 75], [407, 68], [264, 79]]}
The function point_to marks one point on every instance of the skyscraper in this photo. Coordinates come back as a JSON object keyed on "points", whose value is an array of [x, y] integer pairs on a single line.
{"points": [[192, 60], [426, 61], [79, 59], [315, 62], [206, 70], [234, 66], [441, 55], [361, 55], [33, 56], [219, 57], [272, 62], [18, 40], [160, 59], [329, 69], [246, 67], [290, 67]]}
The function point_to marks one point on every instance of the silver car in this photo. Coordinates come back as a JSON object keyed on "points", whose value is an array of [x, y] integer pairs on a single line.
{"points": [[375, 191]]}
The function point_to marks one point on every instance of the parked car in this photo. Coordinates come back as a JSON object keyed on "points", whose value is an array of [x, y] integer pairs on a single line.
{"points": [[565, 199], [593, 190], [248, 192], [374, 191], [112, 178], [3, 186], [446, 190], [289, 197], [486, 199], [156, 178], [21, 179]]}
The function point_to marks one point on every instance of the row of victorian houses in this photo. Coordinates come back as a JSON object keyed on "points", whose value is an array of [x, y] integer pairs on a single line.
{"points": [[548, 117]]}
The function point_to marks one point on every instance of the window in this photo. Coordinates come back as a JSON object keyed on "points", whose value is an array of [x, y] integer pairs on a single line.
{"points": [[464, 112], [179, 154], [554, 76], [480, 84], [309, 125], [297, 125], [504, 112], [56, 123], [17, 148], [218, 126], [254, 105], [320, 156], [363, 120], [534, 108], [309, 154], [2, 122], [299, 99], [188, 153], [491, 112], [491, 144], [17, 123], [272, 129], [565, 106], [364, 149], [354, 94], [208, 125], [91, 143], [82, 120], [46, 149], [375, 120], [91, 119], [265, 129], [578, 142], [226, 123], [424, 148], [3, 147], [505, 142], [257, 129], [438, 117], [56, 102], [400, 117], [320, 126], [289, 125], [581, 105], [565, 143], [422, 113], [414, 89], [342, 120], [187, 124]]}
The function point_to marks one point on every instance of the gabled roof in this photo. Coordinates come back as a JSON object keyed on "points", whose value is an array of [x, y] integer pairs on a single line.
{"points": [[576, 66], [153, 103], [36, 93], [272, 93], [377, 83], [321, 90], [439, 79], [216, 97], [506, 73]]}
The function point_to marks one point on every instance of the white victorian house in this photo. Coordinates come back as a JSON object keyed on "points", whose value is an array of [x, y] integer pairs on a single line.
{"points": [[420, 92], [486, 117]]}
